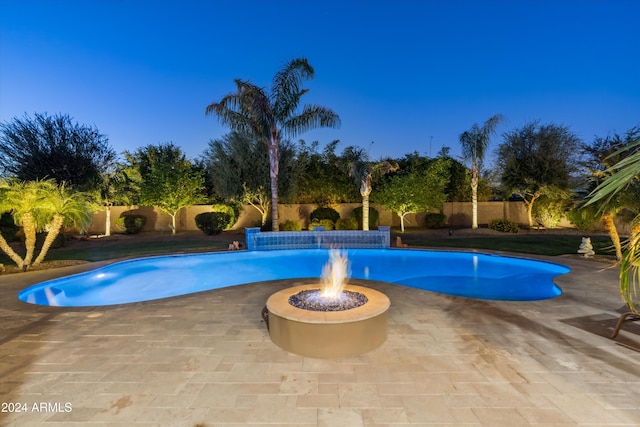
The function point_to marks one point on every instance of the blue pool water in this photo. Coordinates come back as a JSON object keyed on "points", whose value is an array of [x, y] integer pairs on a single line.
{"points": [[456, 273]]}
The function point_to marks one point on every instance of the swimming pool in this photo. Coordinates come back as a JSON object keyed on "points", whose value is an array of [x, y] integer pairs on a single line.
{"points": [[465, 274]]}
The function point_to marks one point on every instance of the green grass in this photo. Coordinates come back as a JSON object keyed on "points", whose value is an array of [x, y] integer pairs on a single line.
{"points": [[99, 250], [125, 248], [537, 245]]}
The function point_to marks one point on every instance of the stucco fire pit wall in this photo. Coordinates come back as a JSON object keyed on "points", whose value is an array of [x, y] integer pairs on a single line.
{"points": [[328, 334]]}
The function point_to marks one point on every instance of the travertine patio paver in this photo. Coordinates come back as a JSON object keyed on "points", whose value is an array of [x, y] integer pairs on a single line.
{"points": [[207, 358]]}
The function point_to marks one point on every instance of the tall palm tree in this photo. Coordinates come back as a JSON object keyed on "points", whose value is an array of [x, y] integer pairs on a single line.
{"points": [[474, 146], [273, 115]]}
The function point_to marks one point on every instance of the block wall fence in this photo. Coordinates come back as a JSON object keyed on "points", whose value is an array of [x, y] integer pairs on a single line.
{"points": [[458, 215]]}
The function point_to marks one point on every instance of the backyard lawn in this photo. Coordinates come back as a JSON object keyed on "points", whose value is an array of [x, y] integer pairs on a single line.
{"points": [[551, 243]]}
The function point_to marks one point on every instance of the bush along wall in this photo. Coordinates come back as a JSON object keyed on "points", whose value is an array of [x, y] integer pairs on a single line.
{"points": [[131, 223], [373, 217], [211, 223], [325, 213], [504, 225]]}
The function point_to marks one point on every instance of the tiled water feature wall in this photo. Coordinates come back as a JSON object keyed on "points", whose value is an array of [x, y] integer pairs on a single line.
{"points": [[317, 239]]}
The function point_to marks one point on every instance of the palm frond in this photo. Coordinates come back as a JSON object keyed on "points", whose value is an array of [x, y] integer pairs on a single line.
{"points": [[630, 270], [621, 175], [287, 86], [312, 117]]}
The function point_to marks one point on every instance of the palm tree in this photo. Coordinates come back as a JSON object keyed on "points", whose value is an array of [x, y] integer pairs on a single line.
{"points": [[22, 200], [624, 173], [364, 172], [38, 206], [62, 207], [474, 146], [270, 116]]}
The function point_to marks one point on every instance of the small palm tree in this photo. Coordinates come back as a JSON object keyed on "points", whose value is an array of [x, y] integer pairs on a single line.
{"points": [[270, 116], [38, 206], [474, 146], [623, 174], [62, 207], [364, 172]]}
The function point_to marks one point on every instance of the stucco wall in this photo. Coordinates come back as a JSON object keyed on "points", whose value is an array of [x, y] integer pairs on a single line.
{"points": [[458, 215]]}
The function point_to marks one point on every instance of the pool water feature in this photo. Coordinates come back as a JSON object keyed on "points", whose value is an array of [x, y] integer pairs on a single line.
{"points": [[467, 274]]}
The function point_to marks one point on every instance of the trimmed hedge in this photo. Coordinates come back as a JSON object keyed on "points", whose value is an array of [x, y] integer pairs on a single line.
{"points": [[504, 225], [232, 210], [131, 223], [435, 220], [346, 224], [290, 225], [324, 213], [211, 223]]}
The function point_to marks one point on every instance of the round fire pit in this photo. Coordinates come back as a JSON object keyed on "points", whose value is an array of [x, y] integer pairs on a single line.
{"points": [[328, 334]]}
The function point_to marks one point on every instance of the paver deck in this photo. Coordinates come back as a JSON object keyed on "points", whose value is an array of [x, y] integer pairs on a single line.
{"points": [[207, 359]]}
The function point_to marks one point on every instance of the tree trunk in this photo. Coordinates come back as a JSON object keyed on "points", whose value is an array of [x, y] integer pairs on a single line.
{"points": [[474, 198], [529, 205], [29, 229], [274, 160], [10, 252], [365, 212], [107, 223], [53, 232], [402, 222], [173, 222], [610, 226]]}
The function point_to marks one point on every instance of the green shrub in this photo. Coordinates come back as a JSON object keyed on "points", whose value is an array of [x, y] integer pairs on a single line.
{"points": [[324, 213], [212, 222], [232, 210], [373, 217], [584, 219], [504, 225], [326, 223], [435, 220], [551, 207], [290, 225], [131, 223], [346, 224], [8, 228]]}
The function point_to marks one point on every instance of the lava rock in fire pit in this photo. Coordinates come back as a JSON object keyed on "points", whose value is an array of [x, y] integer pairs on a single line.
{"points": [[312, 300]]}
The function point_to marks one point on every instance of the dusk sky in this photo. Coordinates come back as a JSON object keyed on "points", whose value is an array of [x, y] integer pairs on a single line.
{"points": [[407, 75]]}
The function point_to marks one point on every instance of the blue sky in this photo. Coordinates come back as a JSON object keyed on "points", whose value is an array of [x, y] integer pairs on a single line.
{"points": [[407, 75]]}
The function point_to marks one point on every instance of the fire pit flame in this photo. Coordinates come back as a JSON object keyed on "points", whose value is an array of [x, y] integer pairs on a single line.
{"points": [[334, 274]]}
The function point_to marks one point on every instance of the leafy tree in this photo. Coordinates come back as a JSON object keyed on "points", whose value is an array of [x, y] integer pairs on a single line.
{"points": [[168, 179], [38, 206], [259, 199], [364, 172], [535, 157], [54, 147], [238, 167], [474, 144], [323, 179], [270, 116], [415, 190], [115, 187]]}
